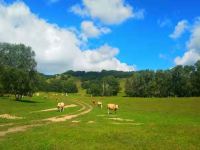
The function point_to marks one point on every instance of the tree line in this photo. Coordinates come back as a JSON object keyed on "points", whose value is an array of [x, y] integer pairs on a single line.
{"points": [[106, 86], [18, 76], [180, 81], [59, 83]]}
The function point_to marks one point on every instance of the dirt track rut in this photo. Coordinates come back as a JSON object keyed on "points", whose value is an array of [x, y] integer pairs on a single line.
{"points": [[85, 108]]}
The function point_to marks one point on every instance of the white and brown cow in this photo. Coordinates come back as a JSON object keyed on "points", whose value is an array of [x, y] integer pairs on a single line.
{"points": [[61, 106], [99, 104], [112, 107]]}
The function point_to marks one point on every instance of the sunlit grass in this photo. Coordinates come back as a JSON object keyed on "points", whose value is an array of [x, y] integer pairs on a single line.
{"points": [[157, 123]]}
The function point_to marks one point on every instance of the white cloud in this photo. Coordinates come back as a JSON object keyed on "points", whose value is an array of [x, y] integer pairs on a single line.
{"points": [[89, 30], [193, 46], [102, 57], [165, 23], [189, 58], [107, 11], [57, 49], [180, 28], [77, 9]]}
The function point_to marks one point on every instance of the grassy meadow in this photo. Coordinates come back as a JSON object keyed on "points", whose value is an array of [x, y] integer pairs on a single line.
{"points": [[140, 123]]}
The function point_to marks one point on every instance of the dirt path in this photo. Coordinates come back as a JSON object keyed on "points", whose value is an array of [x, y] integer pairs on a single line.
{"points": [[8, 116], [85, 108], [17, 129], [53, 109], [7, 124]]}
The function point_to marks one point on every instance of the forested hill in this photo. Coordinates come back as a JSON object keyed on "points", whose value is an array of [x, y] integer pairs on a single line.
{"points": [[91, 75], [97, 75]]}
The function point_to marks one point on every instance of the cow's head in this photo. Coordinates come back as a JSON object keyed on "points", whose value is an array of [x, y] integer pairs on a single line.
{"points": [[116, 107]]}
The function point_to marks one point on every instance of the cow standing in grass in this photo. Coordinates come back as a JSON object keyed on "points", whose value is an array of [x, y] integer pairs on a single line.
{"points": [[61, 106], [112, 107], [99, 104], [94, 102]]}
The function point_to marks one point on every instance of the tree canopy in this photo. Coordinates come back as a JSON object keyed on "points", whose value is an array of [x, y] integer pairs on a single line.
{"points": [[18, 69]]}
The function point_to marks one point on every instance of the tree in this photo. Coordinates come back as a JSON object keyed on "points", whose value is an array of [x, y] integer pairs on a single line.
{"points": [[195, 79], [70, 87], [19, 69], [110, 86], [95, 88], [107, 86], [141, 84], [163, 83], [181, 84]]}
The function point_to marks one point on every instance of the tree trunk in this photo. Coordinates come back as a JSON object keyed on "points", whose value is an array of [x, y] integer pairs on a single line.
{"points": [[18, 97]]}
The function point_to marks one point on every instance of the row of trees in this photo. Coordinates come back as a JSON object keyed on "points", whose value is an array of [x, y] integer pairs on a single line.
{"points": [[18, 76], [181, 81], [107, 86], [57, 84], [92, 75]]}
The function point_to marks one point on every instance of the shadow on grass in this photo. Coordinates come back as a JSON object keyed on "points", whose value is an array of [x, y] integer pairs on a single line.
{"points": [[28, 101], [5, 96]]}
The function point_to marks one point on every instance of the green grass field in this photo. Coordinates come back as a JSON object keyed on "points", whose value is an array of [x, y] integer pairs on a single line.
{"points": [[140, 123]]}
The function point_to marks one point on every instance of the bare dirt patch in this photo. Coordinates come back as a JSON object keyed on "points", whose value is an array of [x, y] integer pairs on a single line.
{"points": [[17, 129], [120, 119], [6, 124], [128, 123], [8, 116], [90, 121], [75, 121]]}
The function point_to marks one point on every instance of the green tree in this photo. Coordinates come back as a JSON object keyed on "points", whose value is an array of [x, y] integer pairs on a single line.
{"points": [[110, 86], [19, 69], [163, 83], [181, 81], [70, 87], [95, 88], [195, 79]]}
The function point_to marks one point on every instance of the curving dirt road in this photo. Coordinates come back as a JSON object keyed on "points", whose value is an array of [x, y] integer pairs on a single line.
{"points": [[85, 108]]}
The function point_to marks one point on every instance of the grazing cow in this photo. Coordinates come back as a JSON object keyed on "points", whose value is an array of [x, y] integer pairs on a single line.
{"points": [[93, 102], [99, 104], [113, 107], [61, 106]]}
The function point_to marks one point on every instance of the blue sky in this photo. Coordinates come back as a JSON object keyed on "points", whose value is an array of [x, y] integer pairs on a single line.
{"points": [[143, 42]]}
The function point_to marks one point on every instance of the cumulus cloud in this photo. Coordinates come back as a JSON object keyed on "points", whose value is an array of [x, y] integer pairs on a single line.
{"points": [[102, 57], [193, 46], [107, 11], [180, 28], [57, 49], [89, 30]]}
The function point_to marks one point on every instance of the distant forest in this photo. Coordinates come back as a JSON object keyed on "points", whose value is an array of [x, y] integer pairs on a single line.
{"points": [[20, 77], [180, 81]]}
